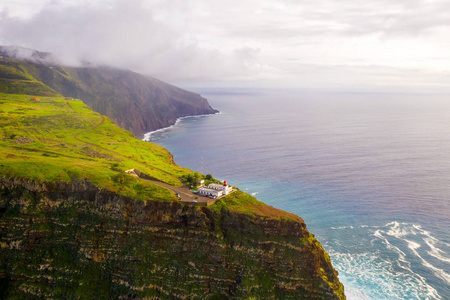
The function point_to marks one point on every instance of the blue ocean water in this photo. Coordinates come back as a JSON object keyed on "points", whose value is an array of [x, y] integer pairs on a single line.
{"points": [[369, 174]]}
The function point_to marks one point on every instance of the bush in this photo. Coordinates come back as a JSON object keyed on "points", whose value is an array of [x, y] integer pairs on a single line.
{"points": [[122, 178]]}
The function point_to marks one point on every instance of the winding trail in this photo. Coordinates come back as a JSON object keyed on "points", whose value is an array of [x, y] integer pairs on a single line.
{"points": [[183, 191]]}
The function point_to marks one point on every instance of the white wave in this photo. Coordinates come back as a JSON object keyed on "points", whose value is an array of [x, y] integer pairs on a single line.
{"points": [[148, 135], [418, 227], [381, 276], [427, 234], [402, 233], [368, 276], [402, 262], [255, 193], [342, 227], [378, 234], [437, 271], [413, 245], [398, 231], [431, 241], [436, 252], [353, 293], [353, 227]]}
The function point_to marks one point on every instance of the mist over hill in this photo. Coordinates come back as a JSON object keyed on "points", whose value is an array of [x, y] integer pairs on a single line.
{"points": [[133, 101]]}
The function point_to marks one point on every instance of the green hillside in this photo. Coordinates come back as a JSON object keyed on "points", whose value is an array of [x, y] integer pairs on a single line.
{"points": [[134, 102], [53, 139], [14, 79], [74, 225]]}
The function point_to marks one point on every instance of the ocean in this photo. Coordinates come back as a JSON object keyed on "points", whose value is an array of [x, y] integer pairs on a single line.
{"points": [[368, 172]]}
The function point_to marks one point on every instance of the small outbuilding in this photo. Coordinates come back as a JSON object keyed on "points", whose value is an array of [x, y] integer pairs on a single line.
{"points": [[133, 172]]}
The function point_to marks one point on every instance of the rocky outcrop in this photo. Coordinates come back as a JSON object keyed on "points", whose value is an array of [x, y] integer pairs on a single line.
{"points": [[74, 240]]}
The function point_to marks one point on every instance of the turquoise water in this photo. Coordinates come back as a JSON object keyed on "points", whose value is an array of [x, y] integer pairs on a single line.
{"points": [[369, 173]]}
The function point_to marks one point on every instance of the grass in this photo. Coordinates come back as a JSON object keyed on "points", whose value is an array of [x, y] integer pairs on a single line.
{"points": [[57, 140], [240, 202], [53, 139], [244, 203], [15, 80]]}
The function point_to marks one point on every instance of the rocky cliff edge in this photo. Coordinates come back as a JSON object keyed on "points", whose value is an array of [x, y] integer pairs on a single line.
{"points": [[75, 240]]}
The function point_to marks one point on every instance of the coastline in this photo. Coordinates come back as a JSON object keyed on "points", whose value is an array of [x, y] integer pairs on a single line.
{"points": [[147, 136]]}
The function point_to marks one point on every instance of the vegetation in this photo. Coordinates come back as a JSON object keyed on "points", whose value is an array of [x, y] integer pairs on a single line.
{"points": [[54, 139], [134, 102], [57, 140], [14, 80], [59, 240], [238, 201], [193, 179]]}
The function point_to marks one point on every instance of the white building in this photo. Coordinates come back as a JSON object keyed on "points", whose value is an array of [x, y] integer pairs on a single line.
{"points": [[215, 190], [133, 172]]}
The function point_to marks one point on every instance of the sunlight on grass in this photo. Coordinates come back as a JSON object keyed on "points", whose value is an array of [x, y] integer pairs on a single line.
{"points": [[52, 139]]}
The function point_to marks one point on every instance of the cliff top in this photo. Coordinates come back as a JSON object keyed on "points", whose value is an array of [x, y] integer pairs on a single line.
{"points": [[54, 139], [62, 166], [133, 101]]}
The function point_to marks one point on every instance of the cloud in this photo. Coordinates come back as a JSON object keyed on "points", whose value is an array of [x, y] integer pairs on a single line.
{"points": [[327, 18], [125, 33], [319, 43]]}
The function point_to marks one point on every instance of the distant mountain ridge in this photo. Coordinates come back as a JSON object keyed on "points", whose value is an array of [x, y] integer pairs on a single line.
{"points": [[22, 53], [134, 102]]}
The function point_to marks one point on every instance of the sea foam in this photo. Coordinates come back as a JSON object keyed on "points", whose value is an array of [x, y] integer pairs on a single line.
{"points": [[388, 271], [148, 135]]}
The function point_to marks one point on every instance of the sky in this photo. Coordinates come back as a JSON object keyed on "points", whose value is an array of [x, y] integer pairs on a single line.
{"points": [[377, 45]]}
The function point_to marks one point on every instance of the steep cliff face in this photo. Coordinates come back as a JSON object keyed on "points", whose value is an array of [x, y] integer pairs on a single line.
{"points": [[134, 102], [74, 240]]}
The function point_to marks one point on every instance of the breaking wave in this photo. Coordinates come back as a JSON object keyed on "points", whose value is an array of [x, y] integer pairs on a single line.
{"points": [[388, 261], [148, 136]]}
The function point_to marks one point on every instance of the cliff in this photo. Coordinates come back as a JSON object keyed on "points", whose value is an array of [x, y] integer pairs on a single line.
{"points": [[134, 102], [74, 225], [74, 240]]}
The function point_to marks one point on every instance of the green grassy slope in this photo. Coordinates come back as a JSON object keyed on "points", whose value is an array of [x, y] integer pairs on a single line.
{"points": [[54, 139], [135, 102], [14, 79], [147, 239], [57, 140]]}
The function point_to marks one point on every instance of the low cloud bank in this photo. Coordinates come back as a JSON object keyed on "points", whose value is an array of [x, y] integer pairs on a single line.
{"points": [[125, 34]]}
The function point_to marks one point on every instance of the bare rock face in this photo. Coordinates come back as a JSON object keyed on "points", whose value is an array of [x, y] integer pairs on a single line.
{"points": [[74, 240]]}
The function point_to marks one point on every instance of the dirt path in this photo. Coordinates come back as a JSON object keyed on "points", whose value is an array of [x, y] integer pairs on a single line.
{"points": [[68, 104], [75, 136], [184, 191], [117, 153]]}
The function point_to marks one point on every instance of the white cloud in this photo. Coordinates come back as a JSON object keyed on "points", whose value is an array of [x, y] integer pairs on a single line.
{"points": [[318, 43], [125, 34]]}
